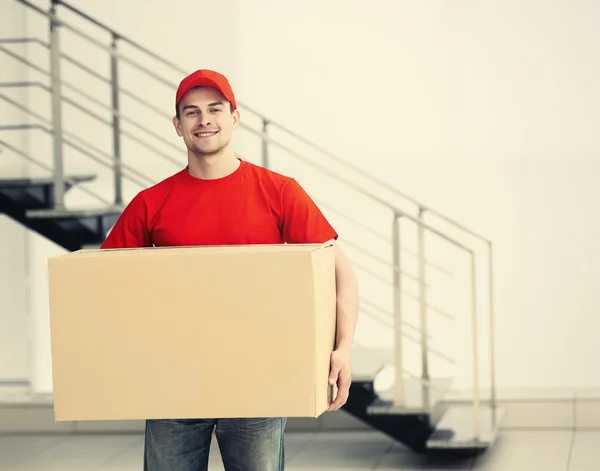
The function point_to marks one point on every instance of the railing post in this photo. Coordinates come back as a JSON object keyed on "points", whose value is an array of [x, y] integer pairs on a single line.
{"points": [[492, 320], [114, 81], [55, 84], [423, 299], [476, 410], [265, 146], [398, 361]]}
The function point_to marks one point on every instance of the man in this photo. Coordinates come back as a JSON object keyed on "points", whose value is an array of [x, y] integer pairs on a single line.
{"points": [[219, 199]]}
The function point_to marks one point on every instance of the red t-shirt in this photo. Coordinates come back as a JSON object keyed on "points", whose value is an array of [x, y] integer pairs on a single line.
{"points": [[253, 205]]}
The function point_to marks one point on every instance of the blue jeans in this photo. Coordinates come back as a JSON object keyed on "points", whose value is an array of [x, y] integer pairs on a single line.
{"points": [[245, 444]]}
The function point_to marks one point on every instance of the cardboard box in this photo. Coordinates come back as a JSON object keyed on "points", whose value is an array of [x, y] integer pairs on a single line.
{"points": [[192, 332]]}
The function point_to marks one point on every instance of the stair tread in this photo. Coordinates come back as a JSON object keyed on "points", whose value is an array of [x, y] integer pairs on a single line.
{"points": [[456, 429], [367, 363], [24, 182], [419, 398], [74, 213]]}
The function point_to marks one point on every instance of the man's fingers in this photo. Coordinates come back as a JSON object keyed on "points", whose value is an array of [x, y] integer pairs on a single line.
{"points": [[340, 400], [343, 392], [345, 380], [340, 373], [336, 367]]}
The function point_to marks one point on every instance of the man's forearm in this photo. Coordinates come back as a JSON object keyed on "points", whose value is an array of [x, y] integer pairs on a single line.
{"points": [[347, 301]]}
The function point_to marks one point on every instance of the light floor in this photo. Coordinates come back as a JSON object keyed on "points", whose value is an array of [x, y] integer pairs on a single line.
{"points": [[323, 451]]}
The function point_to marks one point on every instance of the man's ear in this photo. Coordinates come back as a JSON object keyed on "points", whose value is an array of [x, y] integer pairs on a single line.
{"points": [[236, 119], [177, 125]]}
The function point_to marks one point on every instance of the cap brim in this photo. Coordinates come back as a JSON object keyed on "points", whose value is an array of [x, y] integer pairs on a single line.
{"points": [[202, 82]]}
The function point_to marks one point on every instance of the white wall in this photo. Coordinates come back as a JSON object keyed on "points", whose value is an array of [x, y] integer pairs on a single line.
{"points": [[13, 237], [482, 110]]}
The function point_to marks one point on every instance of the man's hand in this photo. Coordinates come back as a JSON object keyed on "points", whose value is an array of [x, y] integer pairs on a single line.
{"points": [[340, 374]]}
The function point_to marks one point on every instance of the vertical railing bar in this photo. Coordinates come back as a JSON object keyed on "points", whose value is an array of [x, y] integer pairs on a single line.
{"points": [[55, 81], [114, 81], [476, 409], [423, 299], [398, 341], [265, 145], [492, 333]]}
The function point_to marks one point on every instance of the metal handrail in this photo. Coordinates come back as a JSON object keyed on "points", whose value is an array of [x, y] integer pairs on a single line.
{"points": [[97, 43], [371, 305], [68, 58], [382, 238], [24, 40], [93, 100], [120, 115], [95, 116], [385, 322], [21, 127], [360, 249], [471, 253], [270, 121], [77, 138], [47, 167], [377, 181], [90, 97], [117, 34], [262, 135], [385, 358]]}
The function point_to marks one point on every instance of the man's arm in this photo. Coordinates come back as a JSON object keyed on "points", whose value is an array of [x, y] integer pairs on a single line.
{"points": [[347, 316], [130, 230], [347, 300]]}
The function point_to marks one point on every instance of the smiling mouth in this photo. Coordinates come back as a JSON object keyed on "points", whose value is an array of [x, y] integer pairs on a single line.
{"points": [[205, 134]]}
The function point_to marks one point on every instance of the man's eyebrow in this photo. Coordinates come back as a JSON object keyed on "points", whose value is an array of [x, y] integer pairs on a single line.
{"points": [[215, 103]]}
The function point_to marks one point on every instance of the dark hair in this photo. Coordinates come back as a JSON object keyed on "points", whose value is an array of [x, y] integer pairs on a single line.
{"points": [[178, 113]]}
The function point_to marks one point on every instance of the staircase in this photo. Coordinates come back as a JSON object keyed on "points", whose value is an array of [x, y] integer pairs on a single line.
{"points": [[31, 203], [386, 393]]}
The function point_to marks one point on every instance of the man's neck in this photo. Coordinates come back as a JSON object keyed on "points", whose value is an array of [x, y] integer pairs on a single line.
{"points": [[213, 166]]}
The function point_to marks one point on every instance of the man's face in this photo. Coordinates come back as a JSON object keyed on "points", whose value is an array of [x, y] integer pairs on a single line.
{"points": [[206, 121]]}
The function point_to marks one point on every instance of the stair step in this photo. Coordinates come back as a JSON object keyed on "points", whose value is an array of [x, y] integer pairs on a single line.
{"points": [[42, 181], [419, 398], [74, 213], [366, 363], [456, 429]]}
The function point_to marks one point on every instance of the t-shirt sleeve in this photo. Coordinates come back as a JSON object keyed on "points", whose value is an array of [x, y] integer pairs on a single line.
{"points": [[302, 221], [131, 229]]}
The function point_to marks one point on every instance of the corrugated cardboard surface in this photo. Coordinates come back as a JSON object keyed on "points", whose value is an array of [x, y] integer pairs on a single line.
{"points": [[240, 331]]}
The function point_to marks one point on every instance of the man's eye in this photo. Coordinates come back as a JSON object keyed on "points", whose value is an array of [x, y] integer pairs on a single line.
{"points": [[215, 110]]}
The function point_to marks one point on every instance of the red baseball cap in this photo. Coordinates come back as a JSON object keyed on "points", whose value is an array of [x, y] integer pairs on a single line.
{"points": [[206, 78]]}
